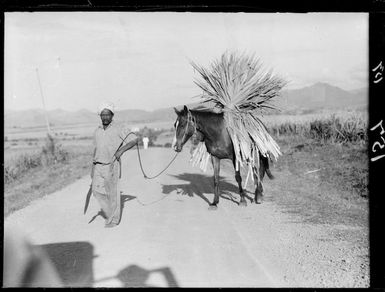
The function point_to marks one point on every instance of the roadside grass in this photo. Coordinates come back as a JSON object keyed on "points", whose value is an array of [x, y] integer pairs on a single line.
{"points": [[323, 172], [326, 183], [50, 153], [44, 178], [320, 182]]}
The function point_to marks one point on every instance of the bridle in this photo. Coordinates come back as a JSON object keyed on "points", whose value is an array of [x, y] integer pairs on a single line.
{"points": [[190, 118]]}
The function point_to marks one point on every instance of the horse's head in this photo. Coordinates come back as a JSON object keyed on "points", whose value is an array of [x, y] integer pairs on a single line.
{"points": [[184, 128]]}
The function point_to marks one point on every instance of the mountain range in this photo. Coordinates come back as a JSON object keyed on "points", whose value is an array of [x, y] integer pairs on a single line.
{"points": [[319, 96], [322, 96]]}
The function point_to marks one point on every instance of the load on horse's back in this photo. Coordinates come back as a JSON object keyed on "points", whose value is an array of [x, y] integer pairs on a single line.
{"points": [[240, 90]]}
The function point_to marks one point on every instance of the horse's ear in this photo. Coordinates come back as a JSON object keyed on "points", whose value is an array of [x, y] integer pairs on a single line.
{"points": [[176, 111], [185, 109]]}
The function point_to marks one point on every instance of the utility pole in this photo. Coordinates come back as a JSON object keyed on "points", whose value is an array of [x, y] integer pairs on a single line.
{"points": [[42, 97]]}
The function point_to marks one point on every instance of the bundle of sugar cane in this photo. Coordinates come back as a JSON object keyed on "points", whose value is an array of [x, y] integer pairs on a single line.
{"points": [[200, 156], [238, 85]]}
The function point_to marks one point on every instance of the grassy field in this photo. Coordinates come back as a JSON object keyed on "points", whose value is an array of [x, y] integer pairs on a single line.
{"points": [[35, 174], [323, 183], [326, 150], [332, 179], [330, 127]]}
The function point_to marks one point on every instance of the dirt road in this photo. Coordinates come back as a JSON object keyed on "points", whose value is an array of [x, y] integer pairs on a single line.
{"points": [[168, 237]]}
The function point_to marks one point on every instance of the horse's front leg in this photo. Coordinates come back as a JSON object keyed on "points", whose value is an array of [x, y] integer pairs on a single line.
{"points": [[238, 178], [216, 165]]}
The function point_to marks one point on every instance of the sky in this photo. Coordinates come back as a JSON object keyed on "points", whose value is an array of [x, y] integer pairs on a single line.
{"points": [[141, 60]]}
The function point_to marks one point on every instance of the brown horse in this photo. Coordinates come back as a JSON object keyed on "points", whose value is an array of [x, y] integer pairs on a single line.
{"points": [[210, 127]]}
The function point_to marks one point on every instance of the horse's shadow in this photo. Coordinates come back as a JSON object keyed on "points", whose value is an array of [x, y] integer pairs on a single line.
{"points": [[200, 184]]}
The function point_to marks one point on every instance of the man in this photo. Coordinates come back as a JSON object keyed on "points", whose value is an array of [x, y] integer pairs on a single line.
{"points": [[111, 141], [145, 142]]}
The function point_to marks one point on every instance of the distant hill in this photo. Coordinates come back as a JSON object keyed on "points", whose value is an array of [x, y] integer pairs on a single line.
{"points": [[165, 114], [360, 91], [322, 96], [296, 101], [58, 117]]}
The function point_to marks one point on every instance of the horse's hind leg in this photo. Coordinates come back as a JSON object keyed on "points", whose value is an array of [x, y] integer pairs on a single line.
{"points": [[258, 183], [216, 166], [238, 178]]}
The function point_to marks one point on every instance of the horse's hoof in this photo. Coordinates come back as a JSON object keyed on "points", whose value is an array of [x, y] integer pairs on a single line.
{"points": [[258, 198], [242, 204], [213, 207]]}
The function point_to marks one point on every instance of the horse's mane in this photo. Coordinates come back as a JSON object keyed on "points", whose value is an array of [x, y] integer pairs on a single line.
{"points": [[206, 112]]}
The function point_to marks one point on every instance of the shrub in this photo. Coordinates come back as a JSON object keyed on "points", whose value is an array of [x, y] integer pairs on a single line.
{"points": [[53, 152]]}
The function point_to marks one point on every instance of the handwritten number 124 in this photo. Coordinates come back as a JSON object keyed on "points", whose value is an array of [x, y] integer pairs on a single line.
{"points": [[381, 146]]}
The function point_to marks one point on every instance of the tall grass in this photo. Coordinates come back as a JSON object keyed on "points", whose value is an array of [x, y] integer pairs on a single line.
{"points": [[339, 127], [50, 153]]}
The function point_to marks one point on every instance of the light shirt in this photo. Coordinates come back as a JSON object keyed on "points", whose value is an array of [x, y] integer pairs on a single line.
{"points": [[107, 141]]}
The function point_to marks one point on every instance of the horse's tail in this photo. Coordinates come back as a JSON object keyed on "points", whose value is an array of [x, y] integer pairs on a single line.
{"points": [[265, 162]]}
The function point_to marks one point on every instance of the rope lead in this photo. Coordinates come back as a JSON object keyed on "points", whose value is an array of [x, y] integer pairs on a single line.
{"points": [[141, 166]]}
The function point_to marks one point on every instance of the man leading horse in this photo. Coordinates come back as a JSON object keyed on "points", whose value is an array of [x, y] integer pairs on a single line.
{"points": [[111, 141]]}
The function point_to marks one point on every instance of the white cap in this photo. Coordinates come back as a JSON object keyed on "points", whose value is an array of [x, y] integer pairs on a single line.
{"points": [[106, 105]]}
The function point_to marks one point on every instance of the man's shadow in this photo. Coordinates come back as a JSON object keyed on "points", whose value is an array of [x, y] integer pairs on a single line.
{"points": [[200, 184], [123, 200]]}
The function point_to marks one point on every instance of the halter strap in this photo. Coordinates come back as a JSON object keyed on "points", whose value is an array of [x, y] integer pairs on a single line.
{"points": [[189, 118], [189, 114]]}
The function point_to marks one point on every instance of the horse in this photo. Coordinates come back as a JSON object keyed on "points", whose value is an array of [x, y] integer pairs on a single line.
{"points": [[210, 128]]}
